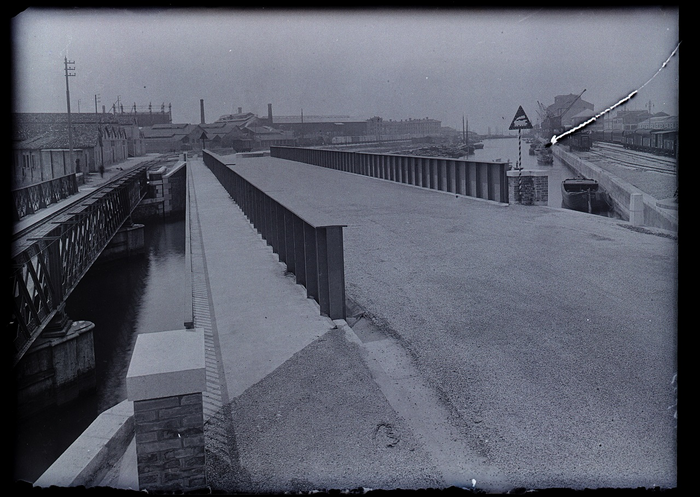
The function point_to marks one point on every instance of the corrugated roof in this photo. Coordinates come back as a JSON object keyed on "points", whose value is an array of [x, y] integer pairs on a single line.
{"points": [[31, 125]]}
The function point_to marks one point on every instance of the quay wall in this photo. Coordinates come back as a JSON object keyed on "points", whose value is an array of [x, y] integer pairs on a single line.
{"points": [[620, 192], [101, 447], [98, 449], [166, 193]]}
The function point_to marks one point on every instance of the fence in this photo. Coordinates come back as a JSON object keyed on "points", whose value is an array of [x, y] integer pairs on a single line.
{"points": [[312, 252], [485, 180]]}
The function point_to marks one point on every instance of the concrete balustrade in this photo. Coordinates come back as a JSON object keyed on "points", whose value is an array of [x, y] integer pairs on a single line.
{"points": [[486, 180]]}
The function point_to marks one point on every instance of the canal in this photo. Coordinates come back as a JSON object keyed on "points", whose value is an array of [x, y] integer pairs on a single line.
{"points": [[506, 149], [123, 298]]}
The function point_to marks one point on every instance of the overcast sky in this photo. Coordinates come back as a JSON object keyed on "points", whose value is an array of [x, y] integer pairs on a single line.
{"points": [[395, 64]]}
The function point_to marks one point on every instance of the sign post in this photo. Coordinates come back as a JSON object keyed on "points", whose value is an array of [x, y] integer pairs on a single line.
{"points": [[520, 122]]}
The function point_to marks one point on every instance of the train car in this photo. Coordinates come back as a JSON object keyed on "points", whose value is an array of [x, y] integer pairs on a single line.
{"points": [[659, 142], [579, 141]]}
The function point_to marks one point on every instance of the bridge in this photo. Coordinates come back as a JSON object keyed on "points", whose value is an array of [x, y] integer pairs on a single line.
{"points": [[49, 257], [396, 322]]}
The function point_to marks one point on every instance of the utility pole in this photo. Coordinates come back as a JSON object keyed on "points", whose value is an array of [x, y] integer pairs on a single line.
{"points": [[67, 64]]}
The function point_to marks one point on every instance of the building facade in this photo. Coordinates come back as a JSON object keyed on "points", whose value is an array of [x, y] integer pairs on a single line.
{"points": [[42, 145]]}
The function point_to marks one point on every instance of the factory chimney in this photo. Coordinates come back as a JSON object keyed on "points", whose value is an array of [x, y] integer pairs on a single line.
{"points": [[269, 114], [240, 110], [201, 109]]}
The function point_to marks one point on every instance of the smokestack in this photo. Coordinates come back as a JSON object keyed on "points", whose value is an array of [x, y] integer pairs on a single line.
{"points": [[201, 109], [269, 113]]}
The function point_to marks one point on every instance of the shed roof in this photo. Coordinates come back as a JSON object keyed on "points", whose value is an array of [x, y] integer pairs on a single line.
{"points": [[170, 131], [83, 136], [317, 119], [31, 124]]}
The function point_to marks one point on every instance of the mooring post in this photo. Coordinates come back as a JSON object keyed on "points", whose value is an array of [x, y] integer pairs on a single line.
{"points": [[636, 209]]}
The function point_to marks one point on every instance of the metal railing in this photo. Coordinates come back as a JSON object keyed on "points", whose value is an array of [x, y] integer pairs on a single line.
{"points": [[30, 199], [312, 252], [48, 261], [485, 180]]}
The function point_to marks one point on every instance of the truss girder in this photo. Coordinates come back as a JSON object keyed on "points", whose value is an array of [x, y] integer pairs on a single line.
{"points": [[47, 270]]}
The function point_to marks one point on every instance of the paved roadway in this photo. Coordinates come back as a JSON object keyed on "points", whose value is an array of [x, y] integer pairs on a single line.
{"points": [[548, 336]]}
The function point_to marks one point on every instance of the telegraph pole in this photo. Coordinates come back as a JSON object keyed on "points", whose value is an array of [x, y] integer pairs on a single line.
{"points": [[67, 64]]}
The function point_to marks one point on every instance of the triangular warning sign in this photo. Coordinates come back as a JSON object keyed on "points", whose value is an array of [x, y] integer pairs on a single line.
{"points": [[520, 121]]}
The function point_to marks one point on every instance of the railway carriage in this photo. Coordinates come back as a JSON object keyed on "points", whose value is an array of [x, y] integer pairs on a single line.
{"points": [[659, 142], [579, 141]]}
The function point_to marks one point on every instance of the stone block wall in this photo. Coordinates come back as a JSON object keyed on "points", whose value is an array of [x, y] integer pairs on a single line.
{"points": [[170, 442], [166, 194]]}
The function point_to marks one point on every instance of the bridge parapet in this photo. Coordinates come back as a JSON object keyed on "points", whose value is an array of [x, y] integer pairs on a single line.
{"points": [[312, 249], [29, 199], [485, 180]]}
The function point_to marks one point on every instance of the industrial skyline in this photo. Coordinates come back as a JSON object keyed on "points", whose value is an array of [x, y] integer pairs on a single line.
{"points": [[398, 64]]}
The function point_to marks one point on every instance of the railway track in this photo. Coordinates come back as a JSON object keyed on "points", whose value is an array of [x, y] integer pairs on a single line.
{"points": [[632, 159]]}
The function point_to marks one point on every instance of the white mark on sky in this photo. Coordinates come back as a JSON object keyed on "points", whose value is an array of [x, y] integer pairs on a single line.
{"points": [[529, 16], [556, 138]]}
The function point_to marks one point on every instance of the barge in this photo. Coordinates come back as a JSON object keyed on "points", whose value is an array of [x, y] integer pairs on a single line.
{"points": [[585, 195]]}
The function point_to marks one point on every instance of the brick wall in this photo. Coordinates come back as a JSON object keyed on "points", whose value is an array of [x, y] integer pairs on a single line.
{"points": [[528, 187], [170, 442]]}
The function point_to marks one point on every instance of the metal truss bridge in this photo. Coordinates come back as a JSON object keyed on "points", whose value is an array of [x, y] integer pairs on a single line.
{"points": [[49, 258]]}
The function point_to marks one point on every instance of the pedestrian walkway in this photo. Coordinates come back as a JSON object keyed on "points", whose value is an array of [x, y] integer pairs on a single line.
{"points": [[91, 182]]}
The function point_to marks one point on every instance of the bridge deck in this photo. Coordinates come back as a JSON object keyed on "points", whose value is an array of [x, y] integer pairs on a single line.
{"points": [[550, 333]]}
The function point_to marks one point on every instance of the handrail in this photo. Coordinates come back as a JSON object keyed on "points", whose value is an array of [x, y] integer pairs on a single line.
{"points": [[481, 179], [27, 200], [312, 252]]}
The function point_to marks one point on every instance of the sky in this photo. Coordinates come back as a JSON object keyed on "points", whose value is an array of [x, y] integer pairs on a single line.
{"points": [[455, 64]]}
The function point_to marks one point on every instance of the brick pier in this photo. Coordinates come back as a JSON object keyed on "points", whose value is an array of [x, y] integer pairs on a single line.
{"points": [[528, 187], [166, 379]]}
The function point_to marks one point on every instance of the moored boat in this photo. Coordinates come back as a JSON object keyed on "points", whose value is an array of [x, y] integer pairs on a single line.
{"points": [[544, 157], [585, 195]]}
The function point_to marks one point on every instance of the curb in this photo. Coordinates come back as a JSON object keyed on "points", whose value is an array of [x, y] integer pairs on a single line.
{"points": [[96, 450]]}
